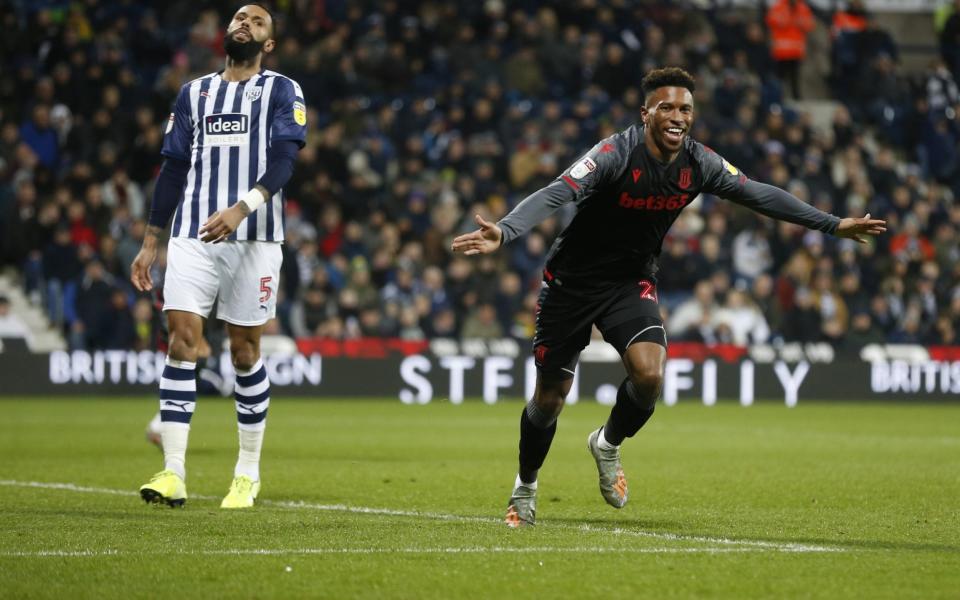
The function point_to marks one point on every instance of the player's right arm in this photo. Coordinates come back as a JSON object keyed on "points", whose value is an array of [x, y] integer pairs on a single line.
{"points": [[168, 191], [590, 173]]}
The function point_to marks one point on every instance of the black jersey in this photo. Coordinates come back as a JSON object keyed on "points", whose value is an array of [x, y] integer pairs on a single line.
{"points": [[627, 200]]}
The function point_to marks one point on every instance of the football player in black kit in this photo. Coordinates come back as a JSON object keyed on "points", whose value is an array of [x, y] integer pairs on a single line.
{"points": [[628, 190]]}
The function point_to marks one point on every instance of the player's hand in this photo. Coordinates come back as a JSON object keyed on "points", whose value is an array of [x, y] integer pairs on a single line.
{"points": [[482, 241], [222, 223], [855, 228], [140, 268]]}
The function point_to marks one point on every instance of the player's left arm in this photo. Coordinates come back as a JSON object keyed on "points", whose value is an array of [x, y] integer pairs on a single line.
{"points": [[288, 134], [725, 180]]}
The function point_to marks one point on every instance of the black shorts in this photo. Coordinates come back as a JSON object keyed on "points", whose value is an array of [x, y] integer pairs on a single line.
{"points": [[624, 313]]}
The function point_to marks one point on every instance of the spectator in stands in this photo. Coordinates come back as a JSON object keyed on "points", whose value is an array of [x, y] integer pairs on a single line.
{"points": [[789, 23], [803, 322], [941, 87], [909, 330], [875, 41], [910, 244], [950, 40], [761, 293], [849, 19], [119, 327], [739, 321], [409, 325], [751, 255], [693, 319], [61, 266], [834, 315], [146, 324], [862, 332], [883, 96], [92, 328], [21, 228], [943, 333], [121, 191], [39, 135], [481, 323], [312, 311]]}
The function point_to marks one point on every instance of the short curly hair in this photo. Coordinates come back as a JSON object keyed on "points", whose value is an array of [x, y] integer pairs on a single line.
{"points": [[668, 76], [266, 8]]}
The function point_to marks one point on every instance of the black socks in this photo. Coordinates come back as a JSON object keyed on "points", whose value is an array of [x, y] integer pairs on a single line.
{"points": [[630, 413], [536, 433]]}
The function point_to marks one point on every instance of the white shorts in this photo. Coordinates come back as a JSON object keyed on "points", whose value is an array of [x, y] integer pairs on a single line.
{"points": [[243, 275]]}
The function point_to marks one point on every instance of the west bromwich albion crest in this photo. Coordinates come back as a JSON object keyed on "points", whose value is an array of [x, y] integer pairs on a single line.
{"points": [[253, 94]]}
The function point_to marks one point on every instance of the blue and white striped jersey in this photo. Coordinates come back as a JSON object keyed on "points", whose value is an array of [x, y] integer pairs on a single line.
{"points": [[223, 129]]}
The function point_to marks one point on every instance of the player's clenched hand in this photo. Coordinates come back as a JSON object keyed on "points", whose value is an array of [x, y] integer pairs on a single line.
{"points": [[482, 241], [222, 223], [140, 268], [854, 228]]}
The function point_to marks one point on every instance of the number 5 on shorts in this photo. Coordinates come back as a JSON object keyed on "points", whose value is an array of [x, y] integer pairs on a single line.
{"points": [[265, 288]]}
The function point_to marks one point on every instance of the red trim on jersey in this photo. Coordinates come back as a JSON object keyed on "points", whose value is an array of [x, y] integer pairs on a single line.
{"points": [[571, 182]]}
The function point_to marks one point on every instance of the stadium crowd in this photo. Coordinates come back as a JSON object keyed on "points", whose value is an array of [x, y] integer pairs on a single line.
{"points": [[424, 113]]}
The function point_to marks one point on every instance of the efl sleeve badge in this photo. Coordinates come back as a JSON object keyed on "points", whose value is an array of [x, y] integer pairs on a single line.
{"points": [[300, 113]]}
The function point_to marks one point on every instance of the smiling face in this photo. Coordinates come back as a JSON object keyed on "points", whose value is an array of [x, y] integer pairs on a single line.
{"points": [[667, 115]]}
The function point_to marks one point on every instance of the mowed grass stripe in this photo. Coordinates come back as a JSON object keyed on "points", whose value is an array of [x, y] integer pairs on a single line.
{"points": [[321, 551], [389, 512]]}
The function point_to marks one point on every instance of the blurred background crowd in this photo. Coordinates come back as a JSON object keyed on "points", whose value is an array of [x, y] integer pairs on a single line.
{"points": [[422, 114]]}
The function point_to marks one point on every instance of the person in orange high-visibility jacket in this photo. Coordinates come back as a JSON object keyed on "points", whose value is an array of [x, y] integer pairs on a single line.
{"points": [[789, 22]]}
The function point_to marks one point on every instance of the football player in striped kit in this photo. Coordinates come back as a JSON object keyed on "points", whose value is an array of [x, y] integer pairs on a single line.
{"points": [[229, 147]]}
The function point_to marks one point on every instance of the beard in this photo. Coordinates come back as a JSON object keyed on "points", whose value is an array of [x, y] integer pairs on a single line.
{"points": [[241, 51]]}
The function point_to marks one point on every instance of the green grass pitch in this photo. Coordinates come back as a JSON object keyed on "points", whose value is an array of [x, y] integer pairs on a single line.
{"points": [[376, 499]]}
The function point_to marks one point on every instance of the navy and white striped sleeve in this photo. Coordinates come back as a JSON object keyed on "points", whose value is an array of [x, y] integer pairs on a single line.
{"points": [[290, 113], [178, 134]]}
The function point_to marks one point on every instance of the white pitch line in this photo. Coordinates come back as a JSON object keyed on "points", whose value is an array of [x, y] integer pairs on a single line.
{"points": [[321, 551], [673, 537]]}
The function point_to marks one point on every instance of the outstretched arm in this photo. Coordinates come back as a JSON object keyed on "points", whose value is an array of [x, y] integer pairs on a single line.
{"points": [[535, 208], [481, 241], [854, 228], [778, 204], [580, 181]]}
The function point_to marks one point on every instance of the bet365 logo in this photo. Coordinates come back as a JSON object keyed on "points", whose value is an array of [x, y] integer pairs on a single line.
{"points": [[226, 129]]}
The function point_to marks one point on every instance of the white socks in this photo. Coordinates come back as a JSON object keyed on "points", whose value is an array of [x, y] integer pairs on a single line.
{"points": [[517, 483], [175, 446], [178, 399], [251, 440], [252, 396], [603, 444]]}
